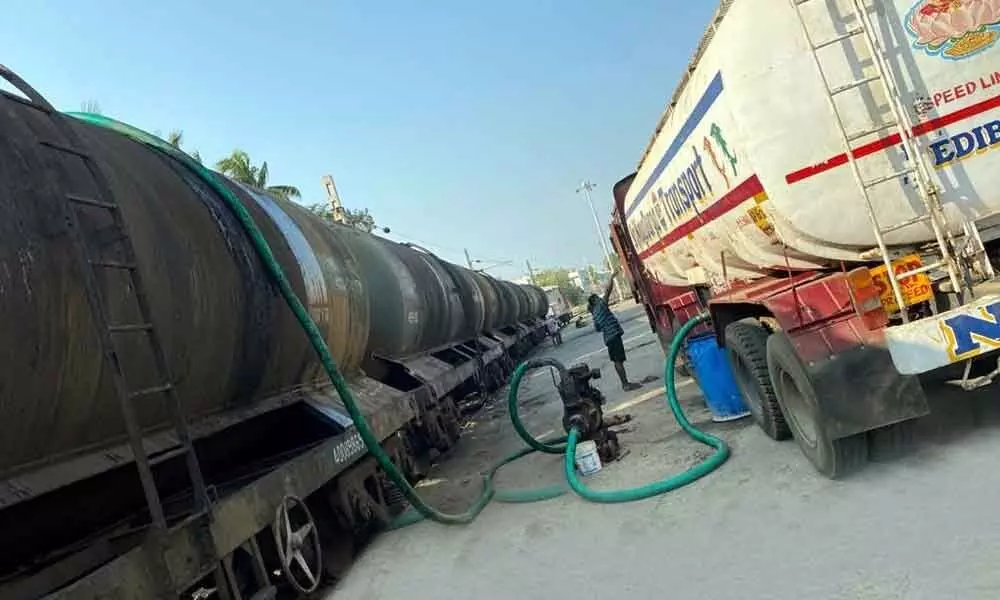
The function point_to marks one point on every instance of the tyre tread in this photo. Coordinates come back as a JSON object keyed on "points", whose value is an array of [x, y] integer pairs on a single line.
{"points": [[833, 458], [749, 340]]}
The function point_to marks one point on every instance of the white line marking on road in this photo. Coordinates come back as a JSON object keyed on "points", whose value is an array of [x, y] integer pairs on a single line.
{"points": [[659, 391], [429, 482]]}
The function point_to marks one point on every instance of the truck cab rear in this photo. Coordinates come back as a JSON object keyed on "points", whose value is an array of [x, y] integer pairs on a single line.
{"points": [[823, 183]]}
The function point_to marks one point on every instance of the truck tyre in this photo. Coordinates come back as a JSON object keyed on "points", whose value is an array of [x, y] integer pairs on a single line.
{"points": [[746, 347], [798, 400]]}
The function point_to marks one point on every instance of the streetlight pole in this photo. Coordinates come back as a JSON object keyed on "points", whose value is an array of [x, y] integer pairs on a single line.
{"points": [[586, 186]]}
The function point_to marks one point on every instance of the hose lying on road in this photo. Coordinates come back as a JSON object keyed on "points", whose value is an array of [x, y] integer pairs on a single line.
{"points": [[699, 470], [637, 493], [421, 508]]}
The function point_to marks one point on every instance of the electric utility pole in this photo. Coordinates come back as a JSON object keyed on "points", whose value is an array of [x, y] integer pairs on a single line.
{"points": [[586, 186]]}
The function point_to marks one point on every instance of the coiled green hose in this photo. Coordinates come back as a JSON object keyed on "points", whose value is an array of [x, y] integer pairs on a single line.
{"points": [[652, 489], [422, 510]]}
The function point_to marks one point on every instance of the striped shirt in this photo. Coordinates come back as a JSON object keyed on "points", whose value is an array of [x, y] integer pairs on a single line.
{"points": [[605, 320]]}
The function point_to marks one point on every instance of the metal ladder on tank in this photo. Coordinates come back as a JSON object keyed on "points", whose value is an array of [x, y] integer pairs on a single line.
{"points": [[901, 122], [107, 331]]}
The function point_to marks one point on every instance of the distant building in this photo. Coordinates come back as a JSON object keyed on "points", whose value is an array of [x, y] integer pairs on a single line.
{"points": [[582, 279], [603, 277]]}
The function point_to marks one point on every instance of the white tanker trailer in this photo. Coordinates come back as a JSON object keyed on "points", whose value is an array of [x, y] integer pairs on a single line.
{"points": [[822, 164]]}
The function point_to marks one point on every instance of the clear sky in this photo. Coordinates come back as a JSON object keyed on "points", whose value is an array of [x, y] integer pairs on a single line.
{"points": [[458, 124]]}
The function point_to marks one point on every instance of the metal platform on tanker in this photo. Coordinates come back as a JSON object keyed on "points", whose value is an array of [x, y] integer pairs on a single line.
{"points": [[765, 525]]}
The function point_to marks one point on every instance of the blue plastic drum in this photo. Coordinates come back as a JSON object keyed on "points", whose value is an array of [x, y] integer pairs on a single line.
{"points": [[715, 378]]}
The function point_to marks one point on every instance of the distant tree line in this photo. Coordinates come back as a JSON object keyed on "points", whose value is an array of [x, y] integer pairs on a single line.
{"points": [[560, 278], [358, 218]]}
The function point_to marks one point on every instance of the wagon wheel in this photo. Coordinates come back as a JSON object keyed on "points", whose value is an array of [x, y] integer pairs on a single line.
{"points": [[292, 538]]}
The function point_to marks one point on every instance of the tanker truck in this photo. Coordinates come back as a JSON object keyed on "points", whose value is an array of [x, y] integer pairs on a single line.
{"points": [[558, 304], [823, 183]]}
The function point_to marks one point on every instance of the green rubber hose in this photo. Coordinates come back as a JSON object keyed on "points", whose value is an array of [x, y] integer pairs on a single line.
{"points": [[553, 446], [421, 509], [521, 496], [277, 275], [671, 483], [550, 447]]}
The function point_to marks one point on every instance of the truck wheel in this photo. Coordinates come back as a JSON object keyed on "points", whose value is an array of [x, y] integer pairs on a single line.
{"points": [[797, 398], [746, 346]]}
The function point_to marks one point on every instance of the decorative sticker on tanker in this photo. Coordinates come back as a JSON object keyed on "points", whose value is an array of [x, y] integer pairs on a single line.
{"points": [[721, 141], [954, 29], [969, 335], [715, 161]]}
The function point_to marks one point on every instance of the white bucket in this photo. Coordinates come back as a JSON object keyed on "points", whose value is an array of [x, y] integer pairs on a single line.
{"points": [[587, 460]]}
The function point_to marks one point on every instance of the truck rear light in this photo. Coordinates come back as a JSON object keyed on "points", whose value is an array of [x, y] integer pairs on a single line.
{"points": [[866, 297]]}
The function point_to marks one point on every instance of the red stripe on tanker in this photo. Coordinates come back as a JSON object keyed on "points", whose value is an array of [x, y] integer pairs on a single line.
{"points": [[938, 148], [747, 190]]}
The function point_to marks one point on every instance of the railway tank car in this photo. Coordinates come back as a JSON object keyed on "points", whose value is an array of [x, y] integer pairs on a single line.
{"points": [[412, 333]]}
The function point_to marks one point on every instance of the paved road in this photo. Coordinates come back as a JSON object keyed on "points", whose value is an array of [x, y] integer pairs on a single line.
{"points": [[923, 526]]}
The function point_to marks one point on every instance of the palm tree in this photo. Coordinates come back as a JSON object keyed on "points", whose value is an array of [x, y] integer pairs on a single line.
{"points": [[176, 137], [238, 166]]}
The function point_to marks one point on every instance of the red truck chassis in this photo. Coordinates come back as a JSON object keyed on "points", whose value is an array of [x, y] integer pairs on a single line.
{"points": [[807, 363]]}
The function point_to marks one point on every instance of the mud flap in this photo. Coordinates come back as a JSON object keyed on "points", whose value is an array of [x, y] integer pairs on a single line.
{"points": [[860, 390]]}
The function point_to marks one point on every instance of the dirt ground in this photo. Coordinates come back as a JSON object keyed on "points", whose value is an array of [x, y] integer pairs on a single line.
{"points": [[765, 525]]}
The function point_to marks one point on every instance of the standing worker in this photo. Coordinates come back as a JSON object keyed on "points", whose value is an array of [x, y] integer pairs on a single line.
{"points": [[607, 323], [553, 328]]}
